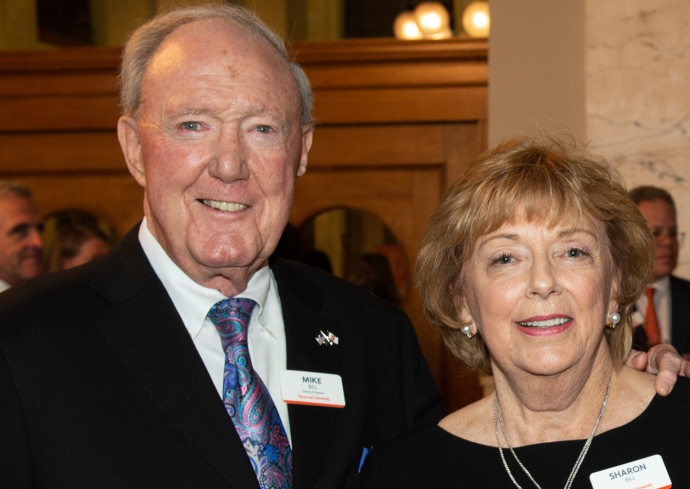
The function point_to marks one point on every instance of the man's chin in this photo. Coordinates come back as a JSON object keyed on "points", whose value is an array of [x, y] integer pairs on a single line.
{"points": [[231, 262], [666, 271], [31, 270]]}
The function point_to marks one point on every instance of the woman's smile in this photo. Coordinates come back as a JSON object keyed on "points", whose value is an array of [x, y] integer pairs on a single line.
{"points": [[545, 325]]}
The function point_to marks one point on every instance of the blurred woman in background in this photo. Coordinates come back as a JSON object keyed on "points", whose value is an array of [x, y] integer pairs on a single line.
{"points": [[74, 237]]}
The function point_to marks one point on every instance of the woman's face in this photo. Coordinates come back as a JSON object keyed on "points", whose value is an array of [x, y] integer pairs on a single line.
{"points": [[540, 296], [90, 249]]}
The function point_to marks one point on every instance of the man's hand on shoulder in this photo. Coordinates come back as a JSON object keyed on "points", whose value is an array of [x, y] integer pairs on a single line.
{"points": [[664, 361]]}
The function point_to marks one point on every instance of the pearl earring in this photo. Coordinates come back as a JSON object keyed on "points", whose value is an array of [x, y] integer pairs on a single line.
{"points": [[467, 331], [614, 319]]}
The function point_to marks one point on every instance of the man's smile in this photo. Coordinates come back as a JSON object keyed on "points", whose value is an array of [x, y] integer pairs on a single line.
{"points": [[224, 206]]}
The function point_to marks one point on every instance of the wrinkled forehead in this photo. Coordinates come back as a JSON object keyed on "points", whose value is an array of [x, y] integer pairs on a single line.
{"points": [[209, 41], [214, 61], [15, 209], [657, 210]]}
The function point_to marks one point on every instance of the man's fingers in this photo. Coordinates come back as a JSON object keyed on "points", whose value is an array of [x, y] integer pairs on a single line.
{"points": [[637, 360]]}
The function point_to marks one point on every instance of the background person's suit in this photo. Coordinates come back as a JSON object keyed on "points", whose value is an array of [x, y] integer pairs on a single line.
{"points": [[680, 318], [101, 385], [680, 314]]}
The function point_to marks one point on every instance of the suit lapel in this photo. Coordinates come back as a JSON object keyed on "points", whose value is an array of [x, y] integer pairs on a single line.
{"points": [[146, 333], [311, 426], [680, 314]]}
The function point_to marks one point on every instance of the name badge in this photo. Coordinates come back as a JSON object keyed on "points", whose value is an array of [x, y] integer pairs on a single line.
{"points": [[646, 473], [312, 388]]}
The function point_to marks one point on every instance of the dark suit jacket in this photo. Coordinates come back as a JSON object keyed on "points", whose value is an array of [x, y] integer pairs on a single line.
{"points": [[102, 387], [680, 319], [680, 314]]}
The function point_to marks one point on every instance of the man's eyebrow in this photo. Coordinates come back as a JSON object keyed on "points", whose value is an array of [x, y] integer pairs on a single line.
{"points": [[21, 228], [246, 110], [186, 111]]}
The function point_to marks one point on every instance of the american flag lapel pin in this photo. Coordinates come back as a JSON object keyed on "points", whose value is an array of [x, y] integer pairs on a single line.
{"points": [[327, 338]]}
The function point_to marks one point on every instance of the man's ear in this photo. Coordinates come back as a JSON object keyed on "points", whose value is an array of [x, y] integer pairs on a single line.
{"points": [[307, 135], [128, 135]]}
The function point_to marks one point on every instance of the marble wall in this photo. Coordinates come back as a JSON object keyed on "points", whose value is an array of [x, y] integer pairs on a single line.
{"points": [[637, 92]]}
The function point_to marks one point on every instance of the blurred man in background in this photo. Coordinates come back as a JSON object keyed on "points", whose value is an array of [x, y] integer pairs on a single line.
{"points": [[665, 305], [21, 245]]}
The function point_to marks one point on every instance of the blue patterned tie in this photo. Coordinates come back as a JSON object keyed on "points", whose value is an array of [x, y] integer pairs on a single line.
{"points": [[248, 401]]}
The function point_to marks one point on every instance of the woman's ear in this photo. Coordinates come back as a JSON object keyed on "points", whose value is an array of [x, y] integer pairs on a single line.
{"points": [[613, 305], [464, 314]]}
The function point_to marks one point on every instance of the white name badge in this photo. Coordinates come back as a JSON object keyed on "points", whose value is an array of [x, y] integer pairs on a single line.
{"points": [[646, 473], [312, 388]]}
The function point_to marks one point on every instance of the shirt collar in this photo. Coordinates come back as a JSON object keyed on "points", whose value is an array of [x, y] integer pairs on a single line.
{"points": [[663, 285], [4, 286], [193, 301]]}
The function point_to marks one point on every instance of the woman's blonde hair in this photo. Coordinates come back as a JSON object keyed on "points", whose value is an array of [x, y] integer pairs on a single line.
{"points": [[545, 179]]}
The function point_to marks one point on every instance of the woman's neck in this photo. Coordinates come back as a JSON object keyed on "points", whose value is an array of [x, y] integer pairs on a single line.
{"points": [[554, 408], [564, 406]]}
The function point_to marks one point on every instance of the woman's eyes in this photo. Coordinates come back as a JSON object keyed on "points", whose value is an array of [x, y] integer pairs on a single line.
{"points": [[503, 259], [576, 253], [507, 258]]}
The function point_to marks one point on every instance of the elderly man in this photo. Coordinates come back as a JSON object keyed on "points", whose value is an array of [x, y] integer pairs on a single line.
{"points": [[136, 371], [665, 305], [21, 245]]}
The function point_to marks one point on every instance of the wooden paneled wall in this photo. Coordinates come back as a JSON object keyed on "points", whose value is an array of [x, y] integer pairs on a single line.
{"points": [[397, 122], [58, 111]]}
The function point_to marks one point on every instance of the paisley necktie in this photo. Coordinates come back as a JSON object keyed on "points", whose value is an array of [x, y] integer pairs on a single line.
{"points": [[247, 399]]}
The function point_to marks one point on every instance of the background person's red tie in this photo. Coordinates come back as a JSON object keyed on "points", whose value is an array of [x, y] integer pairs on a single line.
{"points": [[651, 325]]}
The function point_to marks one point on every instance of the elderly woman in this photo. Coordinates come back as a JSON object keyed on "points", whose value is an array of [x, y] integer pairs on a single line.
{"points": [[74, 237], [530, 267]]}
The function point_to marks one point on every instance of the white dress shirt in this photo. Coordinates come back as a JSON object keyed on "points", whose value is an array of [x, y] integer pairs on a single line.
{"points": [[4, 286], [662, 305], [266, 334]]}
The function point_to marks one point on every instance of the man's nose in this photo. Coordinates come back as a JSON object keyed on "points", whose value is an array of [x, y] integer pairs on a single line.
{"points": [[230, 159], [34, 238]]}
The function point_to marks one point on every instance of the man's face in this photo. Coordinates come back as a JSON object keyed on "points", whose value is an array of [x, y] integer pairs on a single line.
{"points": [[21, 245], [217, 146], [661, 219]]}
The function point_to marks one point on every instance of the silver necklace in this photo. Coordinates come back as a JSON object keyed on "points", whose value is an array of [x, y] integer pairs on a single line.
{"points": [[498, 420]]}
